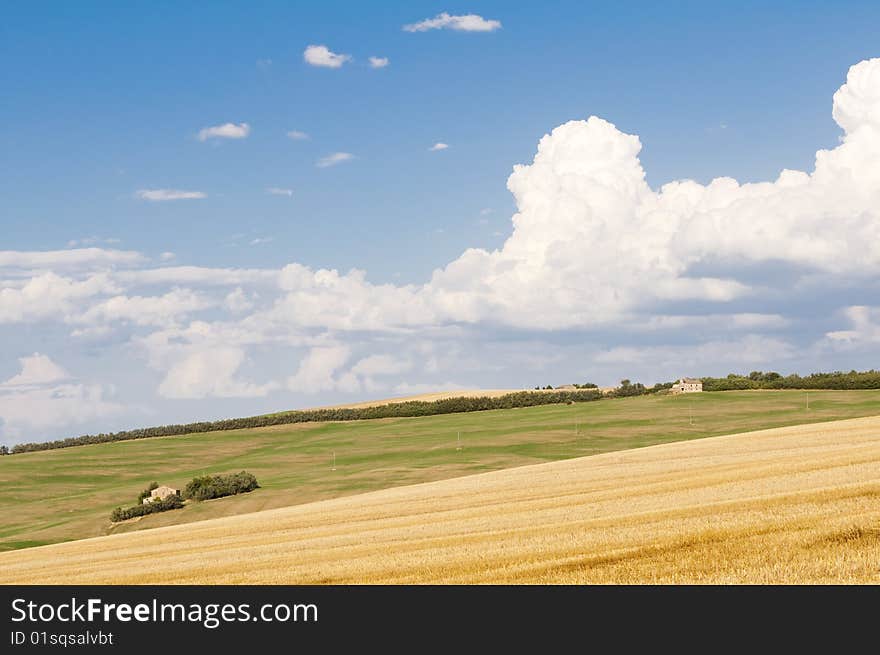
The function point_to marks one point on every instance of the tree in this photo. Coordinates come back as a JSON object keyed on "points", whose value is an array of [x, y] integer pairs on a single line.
{"points": [[4, 450], [146, 492]]}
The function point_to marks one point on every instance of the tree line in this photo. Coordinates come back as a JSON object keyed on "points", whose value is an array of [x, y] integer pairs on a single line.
{"points": [[586, 392], [392, 410], [837, 380]]}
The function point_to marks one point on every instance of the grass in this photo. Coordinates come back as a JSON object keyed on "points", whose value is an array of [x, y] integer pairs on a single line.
{"points": [[67, 494], [799, 504]]}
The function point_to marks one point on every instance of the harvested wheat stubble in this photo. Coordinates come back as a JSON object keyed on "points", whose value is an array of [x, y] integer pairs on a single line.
{"points": [[797, 504]]}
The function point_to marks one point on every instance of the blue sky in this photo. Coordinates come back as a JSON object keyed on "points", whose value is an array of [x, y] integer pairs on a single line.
{"points": [[106, 100]]}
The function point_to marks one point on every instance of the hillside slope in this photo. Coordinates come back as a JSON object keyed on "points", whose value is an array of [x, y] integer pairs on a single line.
{"points": [[66, 494], [795, 504]]}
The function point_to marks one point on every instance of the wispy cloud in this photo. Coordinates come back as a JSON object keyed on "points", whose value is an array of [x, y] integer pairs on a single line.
{"points": [[261, 240], [438, 146], [91, 241], [225, 131], [334, 159], [486, 211], [278, 191], [379, 62], [296, 135], [463, 23], [321, 55], [160, 195]]}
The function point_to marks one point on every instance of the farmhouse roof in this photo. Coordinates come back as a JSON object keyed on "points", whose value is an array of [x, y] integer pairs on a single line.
{"points": [[691, 380], [162, 489]]}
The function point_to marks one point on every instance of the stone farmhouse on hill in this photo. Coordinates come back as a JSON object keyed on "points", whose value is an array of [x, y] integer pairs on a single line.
{"points": [[161, 493], [688, 385]]}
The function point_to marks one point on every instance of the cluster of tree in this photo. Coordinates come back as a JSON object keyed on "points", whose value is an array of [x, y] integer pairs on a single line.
{"points": [[773, 380], [391, 410], [4, 450], [122, 514], [217, 486], [628, 388]]}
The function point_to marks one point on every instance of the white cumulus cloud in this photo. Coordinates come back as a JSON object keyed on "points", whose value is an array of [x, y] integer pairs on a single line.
{"points": [[321, 55], [225, 131], [211, 373], [379, 62], [147, 310], [865, 326], [36, 369], [438, 146], [316, 370], [40, 399]]}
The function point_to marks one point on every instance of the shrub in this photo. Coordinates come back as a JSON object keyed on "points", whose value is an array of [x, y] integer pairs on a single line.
{"points": [[146, 492], [217, 486], [122, 514]]}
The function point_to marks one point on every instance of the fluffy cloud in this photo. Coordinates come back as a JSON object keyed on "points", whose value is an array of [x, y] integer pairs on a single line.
{"points": [[462, 23], [438, 146], [238, 301], [35, 370], [50, 296], [28, 414], [865, 328], [210, 373], [655, 280], [38, 400], [321, 55], [334, 159], [325, 299], [225, 131], [379, 62], [163, 195], [593, 244], [147, 310], [316, 370]]}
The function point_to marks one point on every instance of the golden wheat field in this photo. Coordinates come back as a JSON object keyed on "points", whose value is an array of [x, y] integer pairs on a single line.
{"points": [[788, 505]]}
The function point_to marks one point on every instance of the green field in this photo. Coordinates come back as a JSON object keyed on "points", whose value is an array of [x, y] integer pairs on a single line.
{"points": [[58, 495]]}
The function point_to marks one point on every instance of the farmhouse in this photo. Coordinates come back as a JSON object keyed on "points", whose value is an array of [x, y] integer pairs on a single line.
{"points": [[161, 493], [688, 385]]}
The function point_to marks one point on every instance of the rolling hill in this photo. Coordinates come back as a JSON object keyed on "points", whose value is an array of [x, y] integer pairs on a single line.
{"points": [[796, 504], [59, 495]]}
